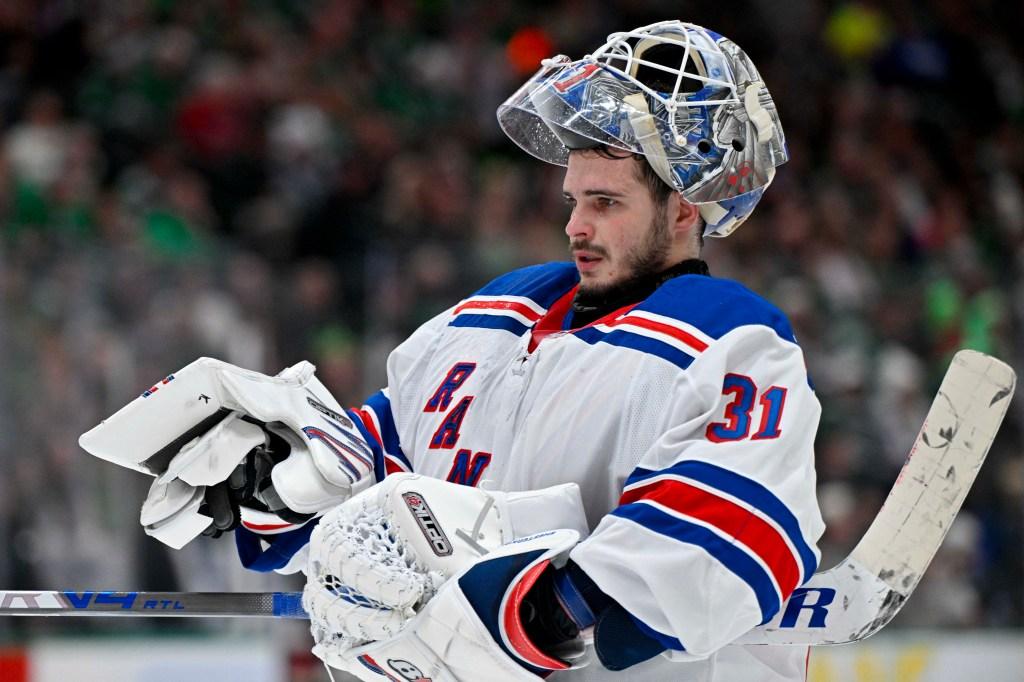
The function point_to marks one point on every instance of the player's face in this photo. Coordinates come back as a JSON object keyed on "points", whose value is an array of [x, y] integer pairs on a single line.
{"points": [[616, 230]]}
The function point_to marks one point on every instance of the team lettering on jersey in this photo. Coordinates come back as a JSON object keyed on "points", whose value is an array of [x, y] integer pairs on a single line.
{"points": [[467, 466]]}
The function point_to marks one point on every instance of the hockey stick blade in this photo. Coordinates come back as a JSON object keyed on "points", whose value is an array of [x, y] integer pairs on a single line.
{"points": [[864, 592], [845, 604]]}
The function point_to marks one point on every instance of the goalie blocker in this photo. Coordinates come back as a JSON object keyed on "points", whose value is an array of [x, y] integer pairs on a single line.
{"points": [[231, 447]]}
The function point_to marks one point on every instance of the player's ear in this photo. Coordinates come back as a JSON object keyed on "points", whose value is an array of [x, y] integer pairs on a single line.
{"points": [[684, 217]]}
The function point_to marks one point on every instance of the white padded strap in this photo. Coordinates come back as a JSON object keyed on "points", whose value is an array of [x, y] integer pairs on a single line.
{"points": [[758, 115], [646, 133]]}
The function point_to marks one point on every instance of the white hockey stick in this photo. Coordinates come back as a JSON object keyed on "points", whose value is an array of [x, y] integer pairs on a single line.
{"points": [[844, 604], [858, 597]]}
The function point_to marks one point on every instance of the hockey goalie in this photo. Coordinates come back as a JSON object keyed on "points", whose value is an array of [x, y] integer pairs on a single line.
{"points": [[600, 469]]}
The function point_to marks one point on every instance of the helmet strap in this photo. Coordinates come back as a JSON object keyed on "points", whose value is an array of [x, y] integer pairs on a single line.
{"points": [[643, 125]]}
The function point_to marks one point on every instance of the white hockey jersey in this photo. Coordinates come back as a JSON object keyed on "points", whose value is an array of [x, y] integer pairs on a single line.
{"points": [[687, 420]]}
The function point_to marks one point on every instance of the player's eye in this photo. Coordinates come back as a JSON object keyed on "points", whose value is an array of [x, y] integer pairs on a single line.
{"points": [[606, 202]]}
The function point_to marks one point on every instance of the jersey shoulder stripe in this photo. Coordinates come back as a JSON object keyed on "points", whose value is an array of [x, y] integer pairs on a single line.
{"points": [[515, 301], [667, 338], [505, 322], [542, 283], [685, 316], [714, 306], [626, 338]]}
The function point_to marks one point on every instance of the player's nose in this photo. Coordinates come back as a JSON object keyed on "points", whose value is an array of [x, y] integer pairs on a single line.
{"points": [[578, 227]]}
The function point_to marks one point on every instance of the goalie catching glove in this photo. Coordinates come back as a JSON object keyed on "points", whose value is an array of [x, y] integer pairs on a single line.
{"points": [[232, 447], [422, 577]]}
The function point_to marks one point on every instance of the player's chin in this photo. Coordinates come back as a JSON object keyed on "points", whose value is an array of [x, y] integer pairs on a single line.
{"points": [[596, 271], [597, 287]]}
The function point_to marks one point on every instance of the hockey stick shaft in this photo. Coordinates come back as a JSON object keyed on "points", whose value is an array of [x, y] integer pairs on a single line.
{"points": [[161, 604], [844, 604], [864, 592]]}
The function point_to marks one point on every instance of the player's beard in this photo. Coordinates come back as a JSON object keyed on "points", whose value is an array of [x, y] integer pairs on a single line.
{"points": [[644, 261]]}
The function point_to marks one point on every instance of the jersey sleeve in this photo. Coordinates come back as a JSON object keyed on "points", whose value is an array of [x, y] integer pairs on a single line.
{"points": [[717, 523], [380, 417]]}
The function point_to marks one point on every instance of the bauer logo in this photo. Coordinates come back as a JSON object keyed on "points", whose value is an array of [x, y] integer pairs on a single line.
{"points": [[428, 524]]}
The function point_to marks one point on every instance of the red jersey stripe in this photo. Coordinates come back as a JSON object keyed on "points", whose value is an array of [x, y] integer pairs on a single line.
{"points": [[513, 306], [675, 332], [391, 466], [367, 420], [757, 534]]}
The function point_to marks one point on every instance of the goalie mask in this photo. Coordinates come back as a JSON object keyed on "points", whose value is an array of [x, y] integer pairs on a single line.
{"points": [[686, 98]]}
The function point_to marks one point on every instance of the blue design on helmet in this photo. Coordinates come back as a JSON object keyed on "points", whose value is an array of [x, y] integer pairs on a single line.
{"points": [[688, 99]]}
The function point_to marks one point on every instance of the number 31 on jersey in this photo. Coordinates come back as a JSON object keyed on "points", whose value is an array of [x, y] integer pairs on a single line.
{"points": [[746, 399]]}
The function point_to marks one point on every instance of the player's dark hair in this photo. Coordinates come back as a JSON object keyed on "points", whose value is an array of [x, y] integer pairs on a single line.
{"points": [[659, 189]]}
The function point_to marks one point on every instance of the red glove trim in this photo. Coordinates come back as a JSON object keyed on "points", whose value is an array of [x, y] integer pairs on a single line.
{"points": [[513, 625]]}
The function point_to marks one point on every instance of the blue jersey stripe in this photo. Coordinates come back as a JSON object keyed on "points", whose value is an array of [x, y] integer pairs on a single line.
{"points": [[714, 306], [505, 322], [726, 553], [660, 637], [745, 489], [381, 407], [645, 344], [282, 547]]}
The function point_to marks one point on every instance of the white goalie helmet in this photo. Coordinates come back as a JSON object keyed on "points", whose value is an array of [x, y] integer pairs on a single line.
{"points": [[686, 98]]}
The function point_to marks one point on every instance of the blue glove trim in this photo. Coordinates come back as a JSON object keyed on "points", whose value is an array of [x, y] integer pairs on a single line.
{"points": [[572, 586], [572, 600], [283, 547]]}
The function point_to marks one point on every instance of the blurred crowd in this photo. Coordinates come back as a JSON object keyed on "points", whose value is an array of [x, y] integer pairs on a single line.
{"points": [[266, 181]]}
